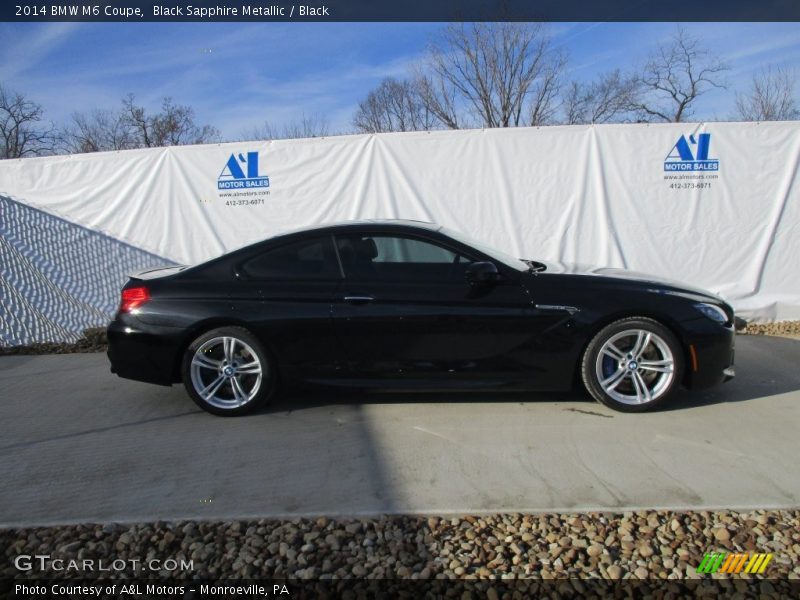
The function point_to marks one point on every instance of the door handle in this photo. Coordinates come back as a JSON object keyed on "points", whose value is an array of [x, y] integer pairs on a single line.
{"points": [[359, 299]]}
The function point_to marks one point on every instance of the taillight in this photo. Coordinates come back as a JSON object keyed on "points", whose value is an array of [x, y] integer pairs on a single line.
{"points": [[133, 298]]}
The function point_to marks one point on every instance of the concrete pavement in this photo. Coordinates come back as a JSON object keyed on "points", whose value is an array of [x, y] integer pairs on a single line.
{"points": [[79, 444]]}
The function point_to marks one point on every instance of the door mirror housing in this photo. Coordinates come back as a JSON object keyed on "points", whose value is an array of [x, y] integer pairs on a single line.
{"points": [[480, 273]]}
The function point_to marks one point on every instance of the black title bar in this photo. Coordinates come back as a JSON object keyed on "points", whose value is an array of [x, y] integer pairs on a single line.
{"points": [[401, 10]]}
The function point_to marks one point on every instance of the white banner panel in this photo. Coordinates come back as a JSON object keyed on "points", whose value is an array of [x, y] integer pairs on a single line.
{"points": [[712, 204]]}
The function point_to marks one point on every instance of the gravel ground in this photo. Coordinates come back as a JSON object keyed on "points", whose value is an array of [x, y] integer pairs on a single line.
{"points": [[780, 328], [93, 340], [640, 545]]}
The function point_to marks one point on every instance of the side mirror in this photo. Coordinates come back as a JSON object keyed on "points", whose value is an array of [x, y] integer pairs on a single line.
{"points": [[479, 273]]}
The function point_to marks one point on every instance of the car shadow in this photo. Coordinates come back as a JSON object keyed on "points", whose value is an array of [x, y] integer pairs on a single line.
{"points": [[765, 366]]}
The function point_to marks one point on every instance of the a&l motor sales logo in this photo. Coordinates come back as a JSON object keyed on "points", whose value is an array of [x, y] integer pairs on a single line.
{"points": [[241, 172], [691, 154]]}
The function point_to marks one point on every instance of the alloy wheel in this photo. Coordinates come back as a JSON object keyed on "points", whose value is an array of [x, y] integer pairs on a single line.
{"points": [[226, 372], [635, 366]]}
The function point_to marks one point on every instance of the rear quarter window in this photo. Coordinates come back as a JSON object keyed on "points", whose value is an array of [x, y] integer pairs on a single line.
{"points": [[304, 260]]}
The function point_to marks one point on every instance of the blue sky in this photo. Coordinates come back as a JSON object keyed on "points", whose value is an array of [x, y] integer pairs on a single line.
{"points": [[238, 75]]}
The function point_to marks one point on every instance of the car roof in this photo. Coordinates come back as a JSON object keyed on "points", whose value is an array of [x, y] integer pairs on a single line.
{"points": [[364, 224], [399, 225]]}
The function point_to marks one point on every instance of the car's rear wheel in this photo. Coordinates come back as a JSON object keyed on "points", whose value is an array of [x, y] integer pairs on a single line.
{"points": [[633, 365], [228, 372]]}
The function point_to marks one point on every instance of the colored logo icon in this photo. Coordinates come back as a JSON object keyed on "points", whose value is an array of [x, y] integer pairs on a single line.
{"points": [[728, 562]]}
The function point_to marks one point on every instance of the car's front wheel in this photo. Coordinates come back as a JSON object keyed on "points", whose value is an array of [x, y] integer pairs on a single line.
{"points": [[633, 365], [228, 372]]}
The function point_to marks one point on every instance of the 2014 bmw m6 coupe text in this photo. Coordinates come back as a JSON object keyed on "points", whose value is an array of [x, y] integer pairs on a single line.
{"points": [[408, 305]]}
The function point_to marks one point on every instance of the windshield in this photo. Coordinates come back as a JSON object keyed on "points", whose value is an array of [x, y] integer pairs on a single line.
{"points": [[506, 259]]}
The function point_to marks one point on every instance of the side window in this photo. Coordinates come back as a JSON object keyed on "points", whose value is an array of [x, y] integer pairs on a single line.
{"points": [[393, 258], [306, 260], [408, 250]]}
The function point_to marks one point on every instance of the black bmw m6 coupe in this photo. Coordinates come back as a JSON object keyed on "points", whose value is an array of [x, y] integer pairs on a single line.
{"points": [[409, 305]]}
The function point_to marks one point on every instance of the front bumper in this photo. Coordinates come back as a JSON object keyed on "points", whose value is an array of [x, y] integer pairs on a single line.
{"points": [[710, 353], [729, 373]]}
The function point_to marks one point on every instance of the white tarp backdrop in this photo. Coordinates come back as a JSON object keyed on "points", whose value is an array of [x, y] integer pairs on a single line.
{"points": [[712, 204]]}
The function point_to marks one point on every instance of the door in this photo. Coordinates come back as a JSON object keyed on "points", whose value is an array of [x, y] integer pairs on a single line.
{"points": [[406, 312], [286, 294]]}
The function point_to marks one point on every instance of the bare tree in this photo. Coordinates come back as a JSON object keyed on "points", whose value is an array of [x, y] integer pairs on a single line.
{"points": [[606, 99], [99, 130], [132, 126], [505, 74], [576, 103], [136, 118], [438, 99], [674, 77], [393, 106], [304, 127], [23, 130], [173, 126], [770, 98]]}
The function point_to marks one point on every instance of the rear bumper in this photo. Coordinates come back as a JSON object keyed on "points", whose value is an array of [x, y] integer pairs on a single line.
{"points": [[143, 353], [710, 352]]}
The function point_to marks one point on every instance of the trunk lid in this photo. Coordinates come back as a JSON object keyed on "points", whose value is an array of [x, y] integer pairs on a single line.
{"points": [[157, 272]]}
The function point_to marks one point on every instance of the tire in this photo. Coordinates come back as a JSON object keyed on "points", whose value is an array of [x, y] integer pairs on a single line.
{"points": [[633, 365], [228, 372]]}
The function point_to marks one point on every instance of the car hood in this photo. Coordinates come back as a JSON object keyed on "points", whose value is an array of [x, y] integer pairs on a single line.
{"points": [[566, 268]]}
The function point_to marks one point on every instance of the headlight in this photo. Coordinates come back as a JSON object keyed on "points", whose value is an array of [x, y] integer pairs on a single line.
{"points": [[713, 312]]}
